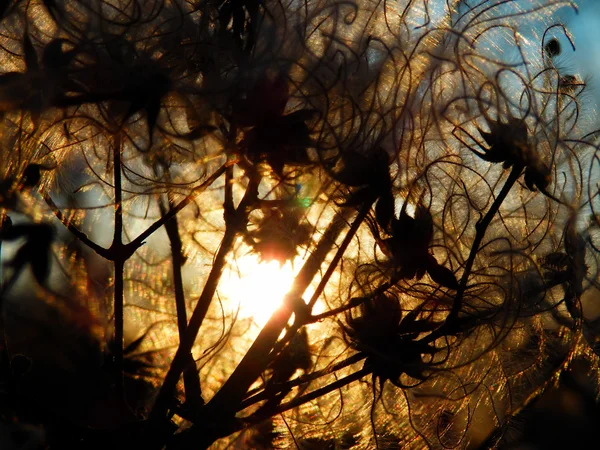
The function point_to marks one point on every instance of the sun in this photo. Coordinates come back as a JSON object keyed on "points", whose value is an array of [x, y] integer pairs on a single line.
{"points": [[257, 287]]}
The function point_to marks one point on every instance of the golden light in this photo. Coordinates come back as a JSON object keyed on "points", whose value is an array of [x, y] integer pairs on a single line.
{"points": [[256, 287]]}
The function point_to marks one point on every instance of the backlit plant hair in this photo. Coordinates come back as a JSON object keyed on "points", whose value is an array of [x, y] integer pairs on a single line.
{"points": [[424, 175]]}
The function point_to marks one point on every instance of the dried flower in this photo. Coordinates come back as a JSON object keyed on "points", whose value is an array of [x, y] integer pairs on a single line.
{"points": [[389, 339], [279, 234], [269, 135]]}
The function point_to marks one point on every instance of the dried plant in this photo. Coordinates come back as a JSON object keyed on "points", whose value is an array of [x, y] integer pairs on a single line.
{"points": [[318, 224]]}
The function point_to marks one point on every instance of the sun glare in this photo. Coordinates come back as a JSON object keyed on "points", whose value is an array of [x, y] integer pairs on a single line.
{"points": [[256, 287]]}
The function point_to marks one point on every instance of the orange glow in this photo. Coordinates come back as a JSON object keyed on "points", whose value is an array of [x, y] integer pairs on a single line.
{"points": [[257, 288]]}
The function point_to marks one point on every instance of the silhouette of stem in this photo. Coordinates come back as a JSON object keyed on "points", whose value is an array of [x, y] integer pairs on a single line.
{"points": [[227, 400], [132, 246], [197, 438], [480, 230], [72, 228], [311, 396], [362, 213], [139, 241], [353, 303], [118, 336], [191, 381], [301, 320], [232, 227], [263, 395], [119, 262]]}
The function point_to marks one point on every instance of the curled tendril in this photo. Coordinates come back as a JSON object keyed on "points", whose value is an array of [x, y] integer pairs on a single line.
{"points": [[144, 143]]}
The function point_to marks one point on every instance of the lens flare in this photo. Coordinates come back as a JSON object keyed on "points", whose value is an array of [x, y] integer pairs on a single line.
{"points": [[256, 288]]}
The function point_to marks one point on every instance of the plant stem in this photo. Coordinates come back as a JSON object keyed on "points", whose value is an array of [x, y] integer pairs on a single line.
{"points": [[309, 318], [132, 246], [353, 303], [232, 225], [480, 230], [119, 262], [72, 228], [118, 337], [318, 393], [304, 379], [139, 241], [185, 346], [191, 381], [227, 400], [362, 213], [198, 439]]}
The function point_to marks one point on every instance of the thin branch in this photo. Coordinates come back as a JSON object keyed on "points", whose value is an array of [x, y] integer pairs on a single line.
{"points": [[362, 213], [310, 396], [198, 438], [139, 241], [164, 397], [353, 303], [227, 400], [481, 228], [132, 246], [191, 381], [72, 228], [263, 395], [119, 262], [304, 319]]}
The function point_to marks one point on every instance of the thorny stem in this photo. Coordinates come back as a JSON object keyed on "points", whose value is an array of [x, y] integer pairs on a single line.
{"points": [[191, 381], [226, 401], [119, 262], [232, 227], [480, 230]]}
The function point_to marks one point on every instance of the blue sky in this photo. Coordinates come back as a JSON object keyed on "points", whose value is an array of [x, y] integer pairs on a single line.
{"points": [[585, 60]]}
